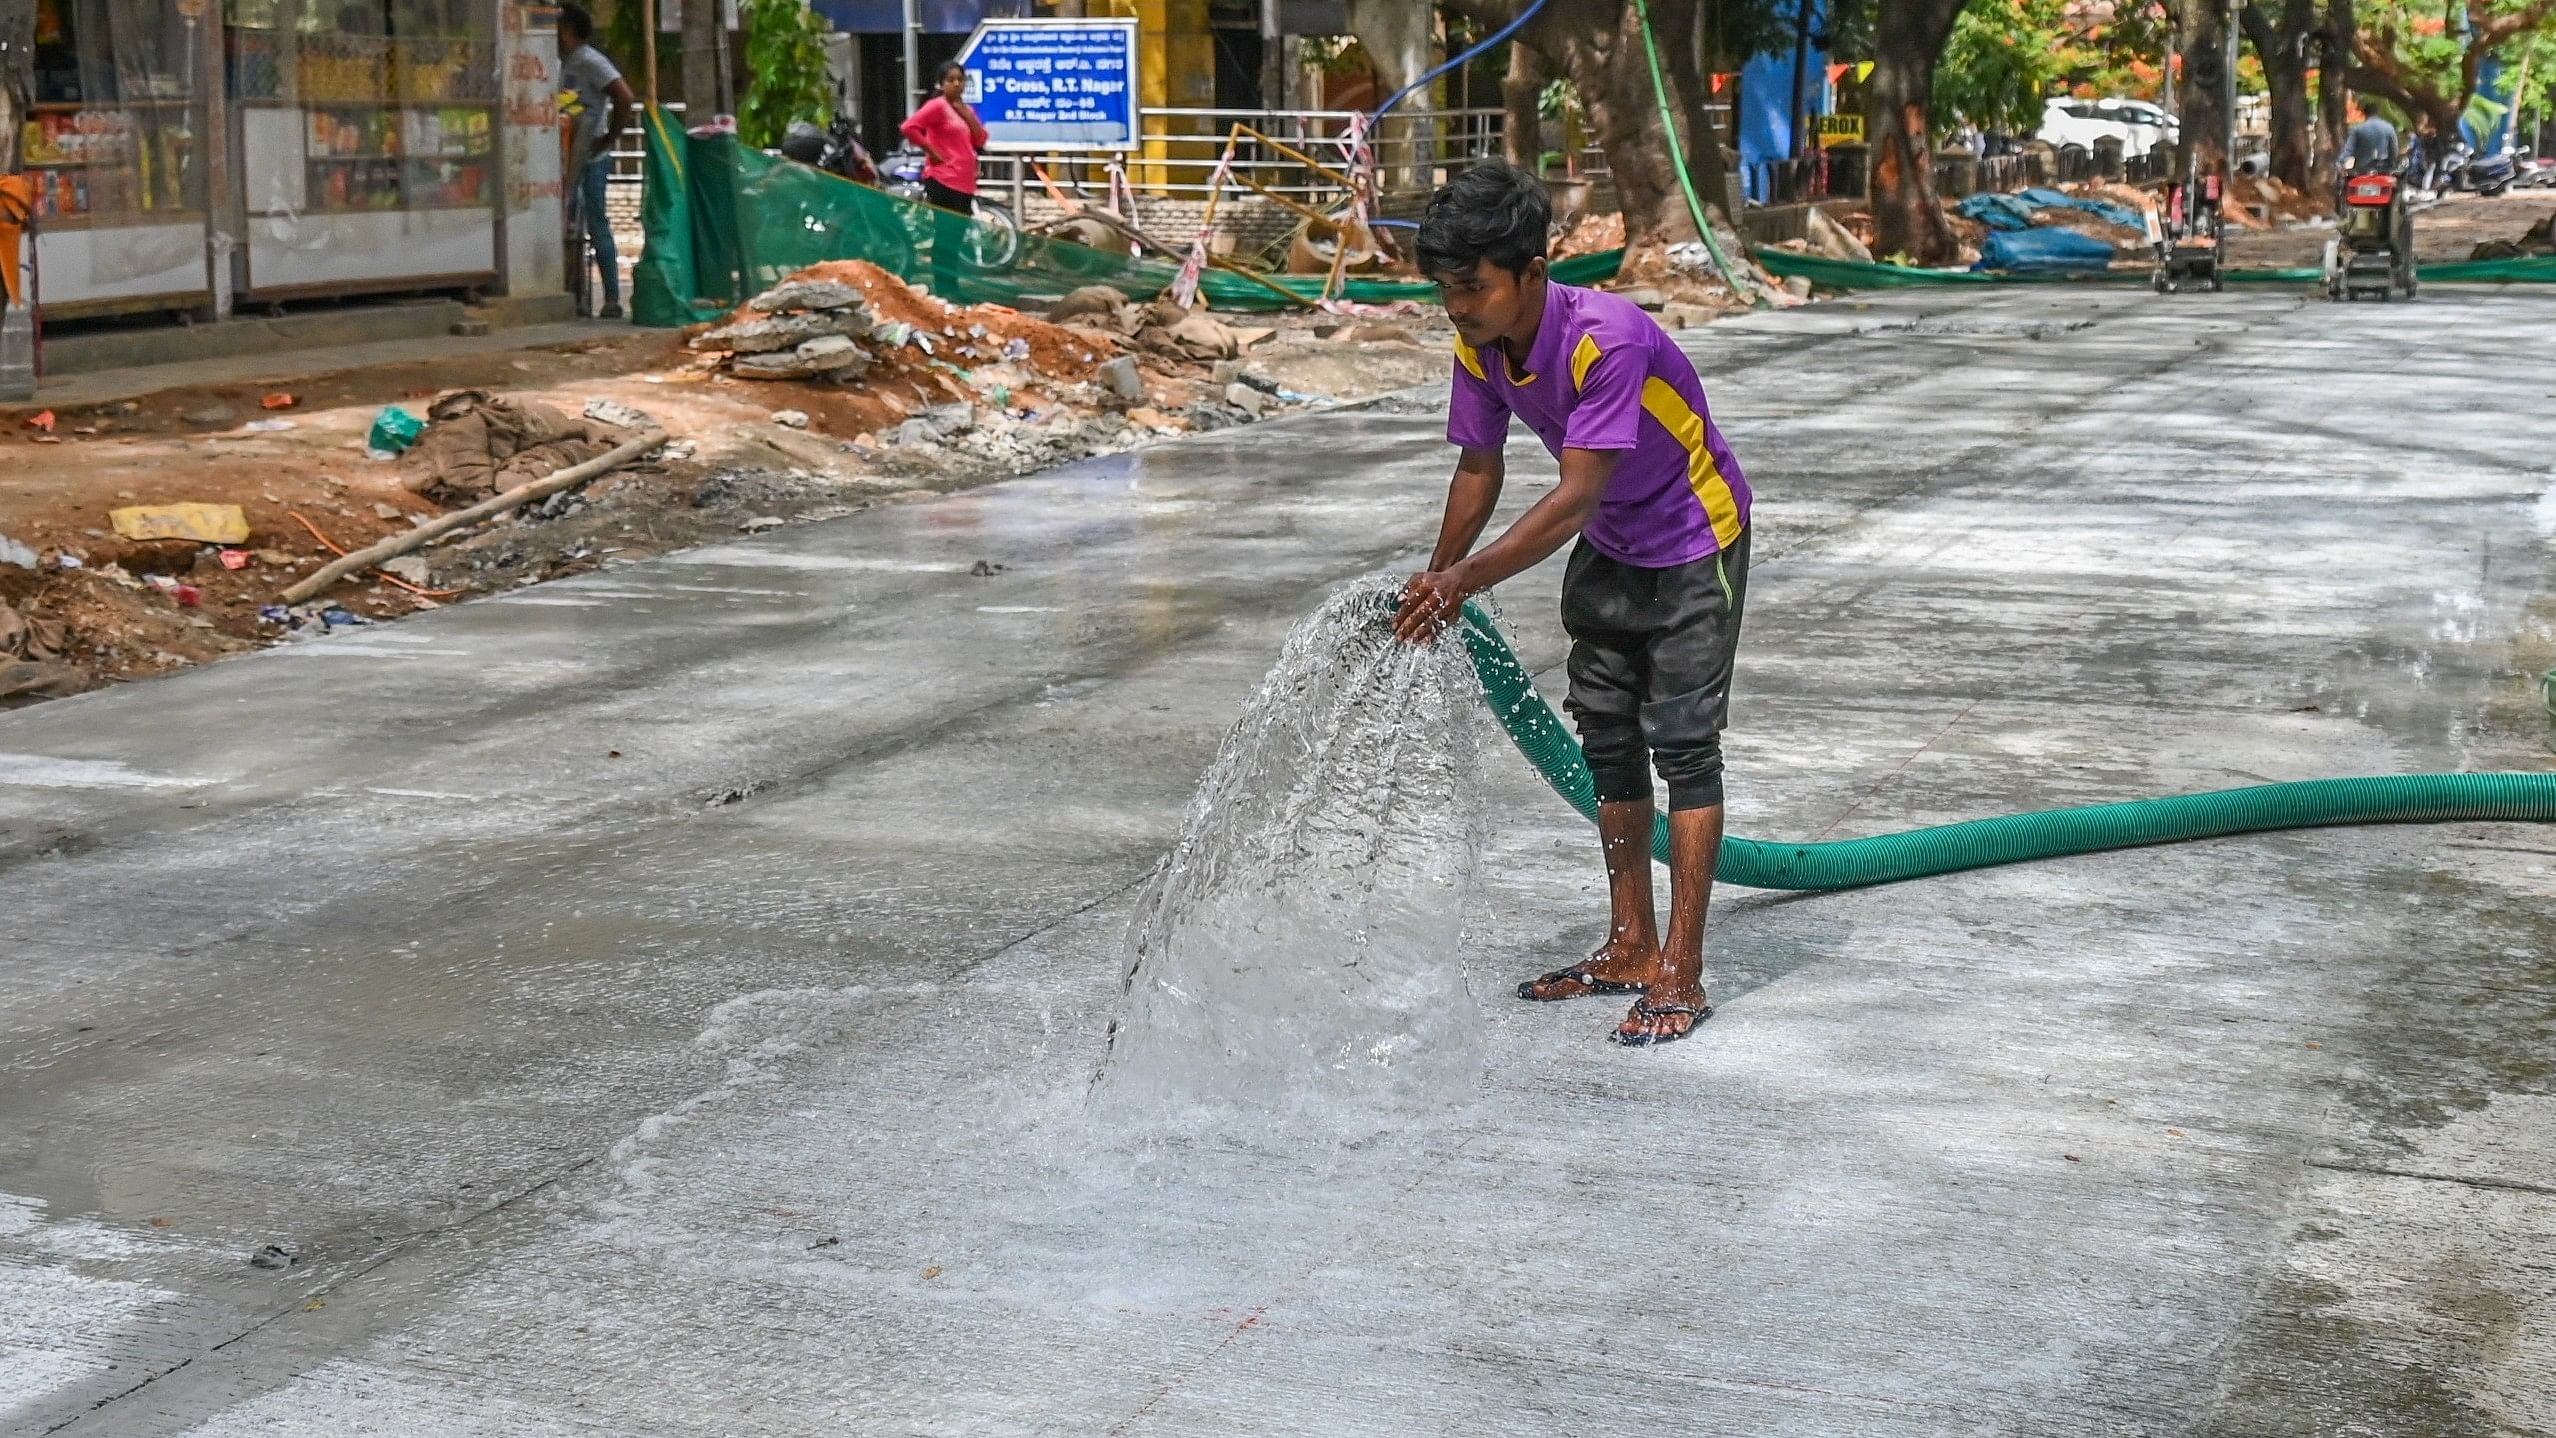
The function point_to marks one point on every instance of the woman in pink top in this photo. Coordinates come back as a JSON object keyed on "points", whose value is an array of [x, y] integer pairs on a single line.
{"points": [[947, 131]]}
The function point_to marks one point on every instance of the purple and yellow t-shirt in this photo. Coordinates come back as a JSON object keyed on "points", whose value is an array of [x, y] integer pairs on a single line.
{"points": [[1602, 375]]}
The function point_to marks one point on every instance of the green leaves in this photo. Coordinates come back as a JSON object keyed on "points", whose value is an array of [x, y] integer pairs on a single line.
{"points": [[785, 55], [2004, 57]]}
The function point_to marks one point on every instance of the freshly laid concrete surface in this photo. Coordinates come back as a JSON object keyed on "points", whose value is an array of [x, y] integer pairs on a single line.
{"points": [[663, 1002]]}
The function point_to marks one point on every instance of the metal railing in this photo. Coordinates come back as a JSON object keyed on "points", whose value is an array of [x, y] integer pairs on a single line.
{"points": [[1839, 174], [629, 151], [1178, 149]]}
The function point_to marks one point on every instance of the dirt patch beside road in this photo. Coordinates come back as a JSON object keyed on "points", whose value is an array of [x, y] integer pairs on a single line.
{"points": [[2446, 232], [951, 398]]}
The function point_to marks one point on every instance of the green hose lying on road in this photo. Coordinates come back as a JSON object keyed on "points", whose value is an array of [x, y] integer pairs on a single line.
{"points": [[1548, 744]]}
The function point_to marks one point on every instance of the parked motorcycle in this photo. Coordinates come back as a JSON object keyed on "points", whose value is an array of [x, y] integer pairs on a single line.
{"points": [[2491, 174], [835, 149], [2461, 168]]}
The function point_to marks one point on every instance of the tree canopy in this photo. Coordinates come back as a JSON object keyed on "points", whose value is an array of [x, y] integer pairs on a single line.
{"points": [[2004, 56], [2427, 59]]}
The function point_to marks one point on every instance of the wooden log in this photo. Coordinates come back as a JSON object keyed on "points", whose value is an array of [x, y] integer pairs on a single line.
{"points": [[438, 527]]}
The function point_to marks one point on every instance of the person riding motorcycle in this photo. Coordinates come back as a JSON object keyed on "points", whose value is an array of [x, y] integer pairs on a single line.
{"points": [[2370, 147]]}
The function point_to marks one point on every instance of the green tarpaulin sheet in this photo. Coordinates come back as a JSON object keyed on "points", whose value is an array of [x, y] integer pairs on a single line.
{"points": [[1852, 275], [725, 222]]}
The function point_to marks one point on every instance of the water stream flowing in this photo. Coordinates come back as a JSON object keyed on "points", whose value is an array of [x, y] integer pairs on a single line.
{"points": [[1302, 945]]}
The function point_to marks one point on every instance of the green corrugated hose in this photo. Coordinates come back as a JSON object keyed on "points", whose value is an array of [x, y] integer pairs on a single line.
{"points": [[1548, 744]]}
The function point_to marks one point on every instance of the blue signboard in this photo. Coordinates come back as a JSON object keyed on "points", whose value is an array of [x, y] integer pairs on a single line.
{"points": [[887, 17], [1054, 84]]}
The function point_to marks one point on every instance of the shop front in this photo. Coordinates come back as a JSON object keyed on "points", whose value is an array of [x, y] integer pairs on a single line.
{"points": [[366, 135], [123, 98], [190, 156]]}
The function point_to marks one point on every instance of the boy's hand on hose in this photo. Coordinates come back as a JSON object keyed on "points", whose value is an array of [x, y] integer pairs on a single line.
{"points": [[1430, 602]]}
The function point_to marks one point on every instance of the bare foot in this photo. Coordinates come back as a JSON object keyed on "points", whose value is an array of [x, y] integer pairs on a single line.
{"points": [[1618, 967], [1667, 1012]]}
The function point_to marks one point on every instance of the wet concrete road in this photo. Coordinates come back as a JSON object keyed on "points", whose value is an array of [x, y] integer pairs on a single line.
{"points": [[659, 1003]]}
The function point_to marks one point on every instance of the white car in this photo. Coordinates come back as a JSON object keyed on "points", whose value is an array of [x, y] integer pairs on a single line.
{"points": [[2138, 125]]}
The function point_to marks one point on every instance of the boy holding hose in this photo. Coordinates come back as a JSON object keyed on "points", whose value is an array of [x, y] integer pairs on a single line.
{"points": [[1657, 581]]}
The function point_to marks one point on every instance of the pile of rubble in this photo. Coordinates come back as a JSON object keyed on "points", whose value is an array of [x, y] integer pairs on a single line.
{"points": [[802, 329], [1161, 328], [986, 382], [839, 322], [2539, 239]]}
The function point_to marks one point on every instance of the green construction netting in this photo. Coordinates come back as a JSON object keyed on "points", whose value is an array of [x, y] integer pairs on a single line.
{"points": [[725, 222], [1853, 275]]}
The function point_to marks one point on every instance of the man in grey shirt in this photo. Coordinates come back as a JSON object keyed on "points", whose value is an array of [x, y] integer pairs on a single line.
{"points": [[2370, 148], [593, 77]]}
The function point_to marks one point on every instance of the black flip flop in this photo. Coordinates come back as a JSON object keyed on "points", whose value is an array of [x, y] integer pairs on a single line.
{"points": [[1649, 1010], [1580, 974]]}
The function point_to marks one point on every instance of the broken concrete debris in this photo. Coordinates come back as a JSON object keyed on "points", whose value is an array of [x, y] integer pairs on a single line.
{"points": [[617, 415], [1833, 240], [1123, 380], [829, 355], [814, 295], [771, 333]]}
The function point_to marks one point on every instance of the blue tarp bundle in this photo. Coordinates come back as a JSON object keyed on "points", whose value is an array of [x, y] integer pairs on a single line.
{"points": [[1998, 212], [2014, 212], [2107, 210], [2045, 251]]}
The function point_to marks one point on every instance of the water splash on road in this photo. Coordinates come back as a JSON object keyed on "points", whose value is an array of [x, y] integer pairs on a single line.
{"points": [[1301, 945]]}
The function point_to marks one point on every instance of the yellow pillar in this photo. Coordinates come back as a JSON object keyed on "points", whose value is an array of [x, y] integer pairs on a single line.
{"points": [[1175, 70]]}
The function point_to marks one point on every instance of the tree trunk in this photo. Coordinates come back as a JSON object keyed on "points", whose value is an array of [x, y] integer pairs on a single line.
{"points": [[2204, 92], [705, 82], [2334, 64], [1598, 44], [2281, 43], [1522, 98], [1908, 40], [1398, 37], [1683, 63], [1615, 87]]}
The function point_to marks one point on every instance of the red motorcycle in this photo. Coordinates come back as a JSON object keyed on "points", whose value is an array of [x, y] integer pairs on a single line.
{"points": [[2372, 252]]}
